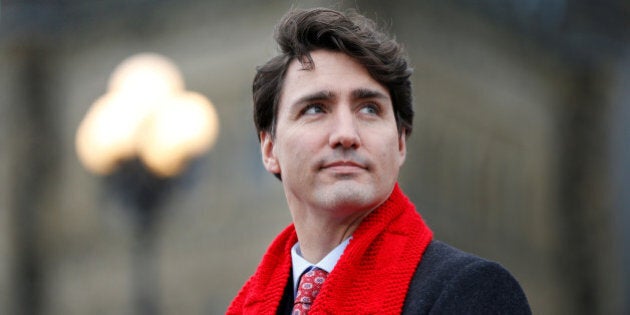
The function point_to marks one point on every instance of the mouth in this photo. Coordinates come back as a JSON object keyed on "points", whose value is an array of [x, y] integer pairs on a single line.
{"points": [[344, 166]]}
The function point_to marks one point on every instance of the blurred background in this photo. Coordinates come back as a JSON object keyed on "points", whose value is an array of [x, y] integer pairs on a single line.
{"points": [[520, 151]]}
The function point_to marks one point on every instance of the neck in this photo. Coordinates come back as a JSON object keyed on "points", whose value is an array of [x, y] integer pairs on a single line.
{"points": [[319, 235]]}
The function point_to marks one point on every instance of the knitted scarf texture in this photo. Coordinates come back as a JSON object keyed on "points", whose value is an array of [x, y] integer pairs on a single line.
{"points": [[371, 277]]}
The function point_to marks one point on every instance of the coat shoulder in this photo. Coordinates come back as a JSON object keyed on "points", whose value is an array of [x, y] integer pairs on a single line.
{"points": [[451, 281]]}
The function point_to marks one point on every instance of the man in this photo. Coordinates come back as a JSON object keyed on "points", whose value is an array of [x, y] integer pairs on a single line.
{"points": [[333, 112]]}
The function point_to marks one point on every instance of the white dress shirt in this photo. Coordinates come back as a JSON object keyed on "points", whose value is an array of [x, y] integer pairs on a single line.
{"points": [[300, 265]]}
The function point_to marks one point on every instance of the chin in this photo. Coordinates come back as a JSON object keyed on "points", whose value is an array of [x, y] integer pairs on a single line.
{"points": [[351, 197]]}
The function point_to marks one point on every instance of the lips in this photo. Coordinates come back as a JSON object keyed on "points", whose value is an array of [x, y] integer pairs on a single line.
{"points": [[344, 165]]}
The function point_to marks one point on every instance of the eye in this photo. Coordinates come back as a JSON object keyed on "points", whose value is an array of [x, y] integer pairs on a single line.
{"points": [[313, 109], [371, 109]]}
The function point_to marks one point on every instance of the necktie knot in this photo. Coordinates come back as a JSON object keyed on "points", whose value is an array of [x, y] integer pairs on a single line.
{"points": [[309, 286]]}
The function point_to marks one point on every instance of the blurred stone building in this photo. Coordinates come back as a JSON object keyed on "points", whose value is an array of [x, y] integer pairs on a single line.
{"points": [[519, 152]]}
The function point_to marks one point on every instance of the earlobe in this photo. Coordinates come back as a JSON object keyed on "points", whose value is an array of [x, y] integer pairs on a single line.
{"points": [[268, 154], [402, 146]]}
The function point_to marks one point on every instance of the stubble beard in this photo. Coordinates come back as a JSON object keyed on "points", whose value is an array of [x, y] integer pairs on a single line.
{"points": [[346, 197]]}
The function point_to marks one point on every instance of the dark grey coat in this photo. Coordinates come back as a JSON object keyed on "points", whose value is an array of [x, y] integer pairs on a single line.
{"points": [[450, 281]]}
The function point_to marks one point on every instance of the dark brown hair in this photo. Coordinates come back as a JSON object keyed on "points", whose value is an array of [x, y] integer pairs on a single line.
{"points": [[301, 31]]}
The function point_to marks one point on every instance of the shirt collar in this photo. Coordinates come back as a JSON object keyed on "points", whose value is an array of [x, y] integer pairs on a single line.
{"points": [[300, 265]]}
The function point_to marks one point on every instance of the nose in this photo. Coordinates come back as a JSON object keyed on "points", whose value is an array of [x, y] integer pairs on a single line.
{"points": [[344, 131]]}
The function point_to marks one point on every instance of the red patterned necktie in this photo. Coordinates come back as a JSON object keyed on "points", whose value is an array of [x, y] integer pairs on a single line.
{"points": [[310, 284]]}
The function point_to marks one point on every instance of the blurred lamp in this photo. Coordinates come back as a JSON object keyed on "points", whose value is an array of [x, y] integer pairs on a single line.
{"points": [[148, 114], [141, 134]]}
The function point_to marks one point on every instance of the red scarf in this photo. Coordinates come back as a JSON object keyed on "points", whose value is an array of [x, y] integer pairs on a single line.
{"points": [[372, 275]]}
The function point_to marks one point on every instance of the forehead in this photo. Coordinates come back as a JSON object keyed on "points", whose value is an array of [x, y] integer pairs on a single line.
{"points": [[333, 72]]}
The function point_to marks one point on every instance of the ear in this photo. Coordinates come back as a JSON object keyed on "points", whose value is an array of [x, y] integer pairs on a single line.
{"points": [[268, 153], [402, 146]]}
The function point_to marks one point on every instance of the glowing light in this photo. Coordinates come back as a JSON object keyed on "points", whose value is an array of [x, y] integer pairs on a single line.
{"points": [[146, 113], [107, 134], [147, 74], [184, 127]]}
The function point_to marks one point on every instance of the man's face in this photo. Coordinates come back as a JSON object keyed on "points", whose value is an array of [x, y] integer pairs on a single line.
{"points": [[336, 143]]}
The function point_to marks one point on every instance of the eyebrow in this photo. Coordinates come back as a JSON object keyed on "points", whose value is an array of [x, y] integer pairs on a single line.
{"points": [[317, 96], [361, 93]]}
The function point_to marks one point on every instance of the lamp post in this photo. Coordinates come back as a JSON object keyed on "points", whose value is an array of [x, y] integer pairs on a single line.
{"points": [[140, 136]]}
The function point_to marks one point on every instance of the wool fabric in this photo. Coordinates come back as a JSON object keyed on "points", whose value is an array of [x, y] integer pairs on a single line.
{"points": [[384, 250]]}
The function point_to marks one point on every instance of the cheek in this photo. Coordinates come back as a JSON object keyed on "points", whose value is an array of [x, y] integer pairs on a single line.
{"points": [[295, 150], [390, 152]]}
